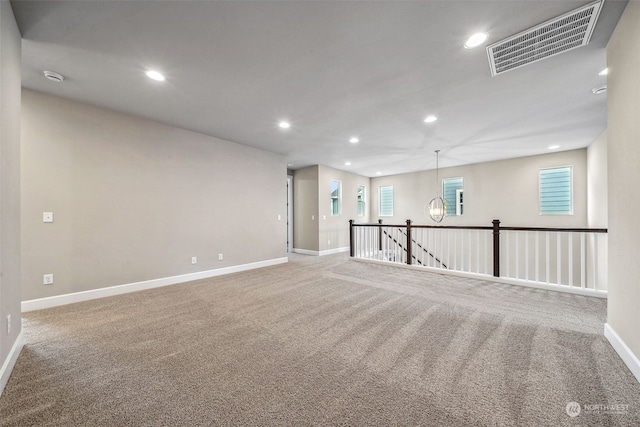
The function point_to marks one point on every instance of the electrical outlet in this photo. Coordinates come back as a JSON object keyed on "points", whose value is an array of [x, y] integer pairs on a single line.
{"points": [[329, 242], [220, 257], [194, 259], [324, 217], [48, 279], [279, 217], [8, 324], [313, 217]]}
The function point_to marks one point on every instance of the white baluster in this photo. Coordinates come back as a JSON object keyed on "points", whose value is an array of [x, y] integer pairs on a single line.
{"points": [[507, 236], [526, 255], [595, 261], [570, 261], [547, 257], [517, 234], [583, 259], [558, 258]]}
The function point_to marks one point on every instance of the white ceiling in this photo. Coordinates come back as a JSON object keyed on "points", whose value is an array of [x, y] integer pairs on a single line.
{"points": [[334, 69]]}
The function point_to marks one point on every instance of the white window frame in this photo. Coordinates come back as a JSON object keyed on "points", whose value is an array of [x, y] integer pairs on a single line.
{"points": [[459, 201], [338, 198], [380, 200], [364, 201], [540, 212], [456, 209]]}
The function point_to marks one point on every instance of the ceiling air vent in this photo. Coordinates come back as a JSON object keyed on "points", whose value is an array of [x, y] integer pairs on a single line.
{"points": [[558, 35]]}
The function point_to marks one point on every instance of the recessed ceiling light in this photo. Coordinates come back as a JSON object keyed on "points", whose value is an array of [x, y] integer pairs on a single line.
{"points": [[475, 40], [599, 90], [284, 125], [604, 72], [354, 140], [430, 119], [553, 147], [154, 75], [347, 163], [378, 173], [54, 77]]}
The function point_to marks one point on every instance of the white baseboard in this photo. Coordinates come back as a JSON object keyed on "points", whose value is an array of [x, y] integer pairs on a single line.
{"points": [[625, 353], [306, 252], [10, 362], [490, 278], [320, 253], [42, 303], [334, 251]]}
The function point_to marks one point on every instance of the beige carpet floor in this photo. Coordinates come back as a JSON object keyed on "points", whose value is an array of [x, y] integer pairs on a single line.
{"points": [[322, 341]]}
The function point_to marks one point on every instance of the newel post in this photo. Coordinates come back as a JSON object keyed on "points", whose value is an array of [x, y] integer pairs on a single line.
{"points": [[351, 248], [409, 240], [380, 234], [496, 248]]}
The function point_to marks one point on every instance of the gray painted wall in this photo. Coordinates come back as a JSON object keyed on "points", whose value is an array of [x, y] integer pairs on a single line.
{"points": [[506, 190], [315, 229], [305, 209], [597, 183], [134, 200], [623, 98], [10, 81], [334, 230]]}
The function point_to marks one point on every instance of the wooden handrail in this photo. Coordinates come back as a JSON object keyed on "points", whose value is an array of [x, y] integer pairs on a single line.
{"points": [[489, 228], [557, 230]]}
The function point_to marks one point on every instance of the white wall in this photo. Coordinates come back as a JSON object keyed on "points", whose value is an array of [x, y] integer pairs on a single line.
{"points": [[597, 200], [316, 230], [134, 200], [623, 99], [334, 230], [10, 75], [597, 170], [506, 190], [305, 209]]}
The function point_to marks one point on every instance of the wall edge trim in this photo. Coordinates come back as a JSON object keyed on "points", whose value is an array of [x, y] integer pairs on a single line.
{"points": [[305, 252], [10, 362], [625, 353], [320, 253]]}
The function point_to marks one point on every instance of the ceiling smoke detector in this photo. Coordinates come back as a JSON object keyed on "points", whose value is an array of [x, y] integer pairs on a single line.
{"points": [[54, 77], [555, 36]]}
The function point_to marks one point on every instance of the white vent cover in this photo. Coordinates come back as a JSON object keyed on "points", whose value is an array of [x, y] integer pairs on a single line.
{"points": [[558, 35]]}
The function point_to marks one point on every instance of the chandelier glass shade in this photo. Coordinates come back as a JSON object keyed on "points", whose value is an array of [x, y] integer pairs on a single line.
{"points": [[437, 208]]}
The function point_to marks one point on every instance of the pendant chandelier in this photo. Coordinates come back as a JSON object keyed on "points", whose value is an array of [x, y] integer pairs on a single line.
{"points": [[437, 208]]}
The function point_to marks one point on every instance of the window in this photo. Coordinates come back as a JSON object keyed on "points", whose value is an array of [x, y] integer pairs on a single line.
{"points": [[386, 200], [361, 198], [452, 193], [336, 191], [556, 196]]}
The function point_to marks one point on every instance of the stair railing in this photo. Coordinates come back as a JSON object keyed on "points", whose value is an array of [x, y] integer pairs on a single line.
{"points": [[565, 257]]}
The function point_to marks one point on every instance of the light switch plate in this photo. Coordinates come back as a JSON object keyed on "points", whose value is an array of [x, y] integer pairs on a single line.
{"points": [[47, 216], [48, 279]]}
